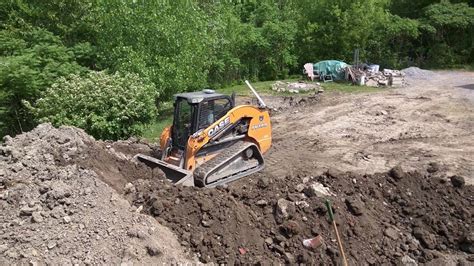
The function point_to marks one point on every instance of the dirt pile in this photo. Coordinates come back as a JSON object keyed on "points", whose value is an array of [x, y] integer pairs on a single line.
{"points": [[57, 210], [418, 73], [394, 217]]}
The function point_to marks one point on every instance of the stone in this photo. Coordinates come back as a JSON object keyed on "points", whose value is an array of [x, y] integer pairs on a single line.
{"points": [[3, 248], [27, 211], [457, 181], [279, 249], [317, 190], [433, 167], [136, 232], [153, 249], [157, 207], [207, 223], [36, 217], [51, 245], [283, 209], [333, 172], [407, 261], [355, 205], [280, 239], [205, 204], [426, 239], [129, 188], [269, 240], [397, 172], [67, 219], [302, 204], [263, 182], [300, 187], [196, 238], [261, 202], [289, 258], [290, 228], [391, 233]]}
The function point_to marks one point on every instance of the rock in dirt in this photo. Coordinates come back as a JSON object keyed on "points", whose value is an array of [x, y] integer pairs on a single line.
{"points": [[317, 190], [397, 172], [289, 258], [290, 228], [407, 261], [391, 233], [36, 217], [433, 167], [467, 243], [457, 181], [153, 249], [67, 219], [263, 182], [426, 239], [300, 187], [129, 188], [283, 210], [355, 205], [27, 211]]}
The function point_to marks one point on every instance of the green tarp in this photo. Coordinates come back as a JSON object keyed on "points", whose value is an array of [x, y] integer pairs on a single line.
{"points": [[333, 68]]}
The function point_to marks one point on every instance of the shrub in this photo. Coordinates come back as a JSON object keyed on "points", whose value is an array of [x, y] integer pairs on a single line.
{"points": [[106, 106]]}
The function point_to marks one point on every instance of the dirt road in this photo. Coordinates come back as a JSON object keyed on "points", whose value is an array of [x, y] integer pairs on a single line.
{"points": [[430, 121]]}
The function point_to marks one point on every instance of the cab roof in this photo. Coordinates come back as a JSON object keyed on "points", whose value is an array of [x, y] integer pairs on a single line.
{"points": [[198, 96]]}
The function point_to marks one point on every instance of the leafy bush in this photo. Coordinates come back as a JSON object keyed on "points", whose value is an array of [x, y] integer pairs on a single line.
{"points": [[106, 106], [31, 59]]}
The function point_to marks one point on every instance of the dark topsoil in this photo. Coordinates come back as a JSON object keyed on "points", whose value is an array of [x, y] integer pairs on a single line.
{"points": [[387, 218]]}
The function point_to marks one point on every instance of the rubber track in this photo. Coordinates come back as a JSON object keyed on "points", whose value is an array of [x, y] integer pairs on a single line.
{"points": [[229, 152]]}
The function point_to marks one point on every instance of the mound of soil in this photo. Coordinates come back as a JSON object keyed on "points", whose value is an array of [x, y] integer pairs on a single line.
{"points": [[385, 218], [65, 200], [418, 73], [57, 209]]}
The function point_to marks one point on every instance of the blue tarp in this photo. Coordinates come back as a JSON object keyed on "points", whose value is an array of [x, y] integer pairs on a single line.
{"points": [[333, 68]]}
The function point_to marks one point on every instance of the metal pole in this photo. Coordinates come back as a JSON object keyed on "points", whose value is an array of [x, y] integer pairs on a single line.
{"points": [[260, 101]]}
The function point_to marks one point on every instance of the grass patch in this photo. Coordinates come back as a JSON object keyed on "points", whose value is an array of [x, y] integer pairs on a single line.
{"points": [[165, 118], [347, 87]]}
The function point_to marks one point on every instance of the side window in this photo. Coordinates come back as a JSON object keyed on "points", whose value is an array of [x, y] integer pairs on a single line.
{"points": [[212, 110]]}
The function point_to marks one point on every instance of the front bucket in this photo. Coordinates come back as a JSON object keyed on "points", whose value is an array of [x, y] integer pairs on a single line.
{"points": [[176, 175]]}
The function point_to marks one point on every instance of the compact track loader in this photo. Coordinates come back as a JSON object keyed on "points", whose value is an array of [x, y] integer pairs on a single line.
{"points": [[212, 141]]}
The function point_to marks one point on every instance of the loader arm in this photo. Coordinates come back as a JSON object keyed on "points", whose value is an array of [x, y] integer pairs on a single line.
{"points": [[259, 131]]}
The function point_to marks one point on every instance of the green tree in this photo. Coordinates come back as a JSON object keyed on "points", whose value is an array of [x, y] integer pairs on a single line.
{"points": [[449, 34], [166, 43], [31, 59], [106, 106]]}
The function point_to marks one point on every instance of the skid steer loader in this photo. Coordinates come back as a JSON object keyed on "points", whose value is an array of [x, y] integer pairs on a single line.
{"points": [[212, 141]]}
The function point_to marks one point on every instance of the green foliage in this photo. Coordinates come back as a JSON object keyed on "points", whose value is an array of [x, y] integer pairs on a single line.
{"points": [[448, 15], [184, 46], [31, 59], [449, 34], [106, 106], [164, 43], [333, 29]]}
